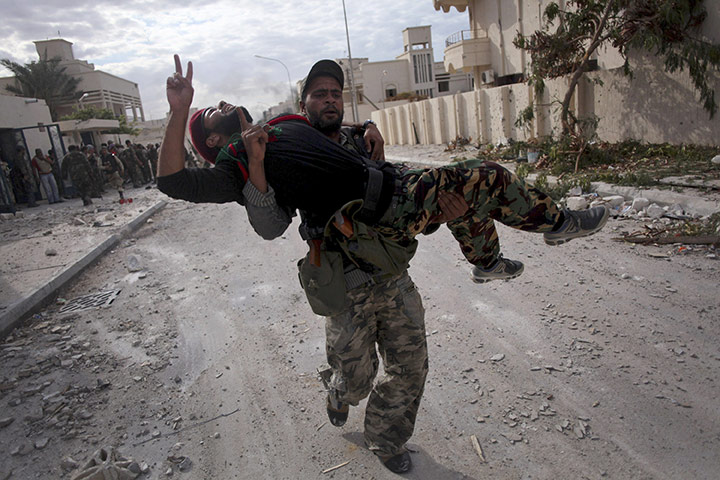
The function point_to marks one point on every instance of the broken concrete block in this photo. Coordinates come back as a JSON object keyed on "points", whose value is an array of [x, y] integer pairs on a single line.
{"points": [[640, 203], [577, 203], [133, 263], [614, 200], [655, 211]]}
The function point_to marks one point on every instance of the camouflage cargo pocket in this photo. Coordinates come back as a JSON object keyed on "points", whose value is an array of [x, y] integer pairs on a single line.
{"points": [[324, 285]]}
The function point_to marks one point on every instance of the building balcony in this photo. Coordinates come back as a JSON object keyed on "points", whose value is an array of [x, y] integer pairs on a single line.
{"points": [[467, 49], [446, 5]]}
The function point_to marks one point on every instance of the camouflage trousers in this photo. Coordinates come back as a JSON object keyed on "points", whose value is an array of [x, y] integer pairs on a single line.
{"points": [[492, 192], [390, 315], [114, 180], [83, 182]]}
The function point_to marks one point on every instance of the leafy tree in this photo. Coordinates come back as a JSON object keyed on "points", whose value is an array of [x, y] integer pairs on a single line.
{"points": [[44, 79], [664, 28], [88, 113]]}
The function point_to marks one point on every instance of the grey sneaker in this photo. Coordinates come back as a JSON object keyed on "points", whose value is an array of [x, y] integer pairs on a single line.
{"points": [[503, 269], [579, 223]]}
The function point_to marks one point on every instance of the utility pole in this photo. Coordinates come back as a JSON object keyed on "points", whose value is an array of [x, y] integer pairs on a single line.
{"points": [[353, 94]]}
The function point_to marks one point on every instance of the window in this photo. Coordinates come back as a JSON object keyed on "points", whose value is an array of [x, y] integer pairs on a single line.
{"points": [[444, 86], [390, 92]]}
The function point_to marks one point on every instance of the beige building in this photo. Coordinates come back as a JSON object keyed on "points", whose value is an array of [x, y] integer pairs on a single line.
{"points": [[100, 89], [627, 109], [414, 71]]}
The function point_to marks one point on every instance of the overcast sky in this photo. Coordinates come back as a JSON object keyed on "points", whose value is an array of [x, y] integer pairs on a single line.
{"points": [[135, 39]]}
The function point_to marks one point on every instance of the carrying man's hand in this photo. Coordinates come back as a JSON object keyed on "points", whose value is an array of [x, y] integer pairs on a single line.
{"points": [[374, 143], [254, 137]]}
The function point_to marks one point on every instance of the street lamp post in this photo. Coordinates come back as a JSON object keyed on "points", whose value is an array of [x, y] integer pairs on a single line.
{"points": [[80, 100], [292, 92]]}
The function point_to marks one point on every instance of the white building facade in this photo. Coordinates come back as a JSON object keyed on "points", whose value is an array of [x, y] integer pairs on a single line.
{"points": [[627, 108]]}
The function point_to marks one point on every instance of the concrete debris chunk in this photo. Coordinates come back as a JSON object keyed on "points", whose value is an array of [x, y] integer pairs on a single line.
{"points": [[655, 211], [51, 252], [106, 463], [716, 160], [4, 422], [640, 203], [23, 448], [41, 443], [577, 203], [614, 201], [134, 263], [513, 438], [498, 357], [68, 464]]}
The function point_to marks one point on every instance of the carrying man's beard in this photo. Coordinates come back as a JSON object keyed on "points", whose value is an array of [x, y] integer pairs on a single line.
{"points": [[325, 126]]}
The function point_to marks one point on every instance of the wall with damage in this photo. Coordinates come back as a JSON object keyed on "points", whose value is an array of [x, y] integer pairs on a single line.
{"points": [[653, 107]]}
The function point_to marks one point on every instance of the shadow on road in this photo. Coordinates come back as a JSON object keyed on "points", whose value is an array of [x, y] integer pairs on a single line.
{"points": [[424, 466]]}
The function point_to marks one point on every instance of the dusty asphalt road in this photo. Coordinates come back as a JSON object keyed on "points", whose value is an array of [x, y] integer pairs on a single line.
{"points": [[215, 324]]}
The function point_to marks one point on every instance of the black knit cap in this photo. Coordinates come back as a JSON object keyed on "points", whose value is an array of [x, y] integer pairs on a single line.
{"points": [[323, 68]]}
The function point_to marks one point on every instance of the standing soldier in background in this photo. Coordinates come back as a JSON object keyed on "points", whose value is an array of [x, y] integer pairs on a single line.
{"points": [[22, 164], [76, 165], [144, 162], [113, 171], [94, 161], [152, 154], [132, 167]]}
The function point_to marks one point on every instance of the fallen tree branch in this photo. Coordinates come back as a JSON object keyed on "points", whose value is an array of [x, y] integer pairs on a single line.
{"points": [[188, 427], [687, 239]]}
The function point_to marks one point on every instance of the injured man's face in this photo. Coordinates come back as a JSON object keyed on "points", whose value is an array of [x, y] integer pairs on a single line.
{"points": [[223, 119]]}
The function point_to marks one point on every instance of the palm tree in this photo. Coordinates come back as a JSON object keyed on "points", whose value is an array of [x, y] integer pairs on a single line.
{"points": [[44, 79]]}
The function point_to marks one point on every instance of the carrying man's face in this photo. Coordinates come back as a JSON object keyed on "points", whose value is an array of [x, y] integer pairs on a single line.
{"points": [[323, 104]]}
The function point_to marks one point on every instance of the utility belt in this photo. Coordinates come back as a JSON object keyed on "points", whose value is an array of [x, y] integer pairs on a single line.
{"points": [[325, 278]]}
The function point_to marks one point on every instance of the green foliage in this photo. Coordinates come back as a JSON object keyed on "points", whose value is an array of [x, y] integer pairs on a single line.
{"points": [[44, 79], [526, 116], [541, 182], [88, 113], [664, 28], [668, 29], [523, 170]]}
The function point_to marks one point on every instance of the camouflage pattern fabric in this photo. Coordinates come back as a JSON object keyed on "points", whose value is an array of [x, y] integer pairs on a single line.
{"points": [[389, 314], [98, 177], [132, 166], [492, 193], [76, 165]]}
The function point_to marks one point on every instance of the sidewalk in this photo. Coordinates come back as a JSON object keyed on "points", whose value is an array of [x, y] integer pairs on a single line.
{"points": [[44, 248]]}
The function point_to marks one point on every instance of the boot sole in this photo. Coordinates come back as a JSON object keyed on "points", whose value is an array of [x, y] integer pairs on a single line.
{"points": [[560, 241], [490, 279]]}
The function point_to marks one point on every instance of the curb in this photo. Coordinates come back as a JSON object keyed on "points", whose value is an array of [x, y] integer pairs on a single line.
{"points": [[19, 310]]}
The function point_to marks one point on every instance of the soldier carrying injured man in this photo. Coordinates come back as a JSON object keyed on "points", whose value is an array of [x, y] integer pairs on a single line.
{"points": [[312, 173]]}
